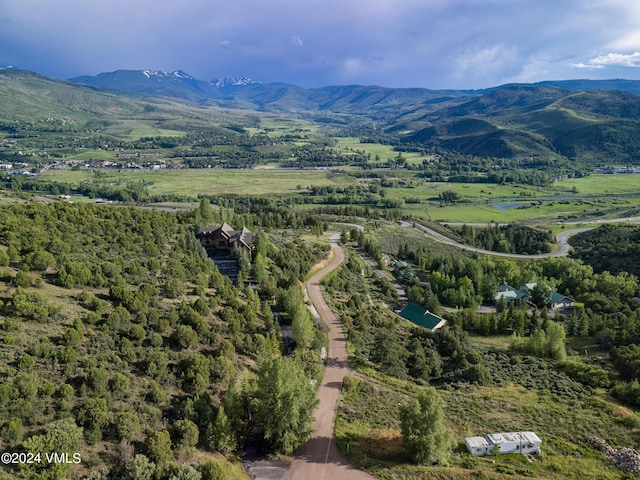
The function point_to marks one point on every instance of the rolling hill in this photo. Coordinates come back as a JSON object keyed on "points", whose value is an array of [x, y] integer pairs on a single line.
{"points": [[548, 120], [372, 101], [525, 120]]}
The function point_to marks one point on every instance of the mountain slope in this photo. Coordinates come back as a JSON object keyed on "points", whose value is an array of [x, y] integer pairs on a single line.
{"points": [[514, 121], [517, 121], [27, 95], [37, 103]]}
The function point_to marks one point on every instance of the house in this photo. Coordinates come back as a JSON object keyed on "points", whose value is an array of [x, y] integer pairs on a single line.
{"points": [[557, 300], [500, 443], [226, 238], [423, 317], [510, 294], [523, 295], [399, 267]]}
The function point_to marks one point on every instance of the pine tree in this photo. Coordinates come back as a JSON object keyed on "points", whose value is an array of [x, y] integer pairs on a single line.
{"points": [[220, 434]]}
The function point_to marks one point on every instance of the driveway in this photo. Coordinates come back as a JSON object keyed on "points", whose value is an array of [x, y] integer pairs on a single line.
{"points": [[319, 459]]}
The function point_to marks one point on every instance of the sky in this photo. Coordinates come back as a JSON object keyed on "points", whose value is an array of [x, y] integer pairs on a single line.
{"points": [[439, 44]]}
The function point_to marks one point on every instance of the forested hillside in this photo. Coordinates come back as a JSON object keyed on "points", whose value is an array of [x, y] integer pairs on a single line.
{"points": [[122, 343], [614, 248]]}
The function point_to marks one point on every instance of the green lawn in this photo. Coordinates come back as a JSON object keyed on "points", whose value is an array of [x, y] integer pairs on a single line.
{"points": [[548, 212], [92, 155]]}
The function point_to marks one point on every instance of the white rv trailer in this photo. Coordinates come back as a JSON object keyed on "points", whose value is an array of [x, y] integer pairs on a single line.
{"points": [[512, 442]]}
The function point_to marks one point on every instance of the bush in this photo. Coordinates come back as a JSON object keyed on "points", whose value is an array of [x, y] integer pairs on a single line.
{"points": [[212, 470]]}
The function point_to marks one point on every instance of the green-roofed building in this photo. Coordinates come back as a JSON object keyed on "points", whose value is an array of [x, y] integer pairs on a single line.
{"points": [[510, 294], [423, 317], [559, 301]]}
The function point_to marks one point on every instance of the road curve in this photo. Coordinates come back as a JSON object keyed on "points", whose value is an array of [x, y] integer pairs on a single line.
{"points": [[319, 459], [561, 238]]}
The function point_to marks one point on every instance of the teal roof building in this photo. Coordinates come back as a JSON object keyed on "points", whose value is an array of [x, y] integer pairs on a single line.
{"points": [[422, 317]]}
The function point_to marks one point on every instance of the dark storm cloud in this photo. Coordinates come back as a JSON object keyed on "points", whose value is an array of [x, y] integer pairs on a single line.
{"points": [[431, 43]]}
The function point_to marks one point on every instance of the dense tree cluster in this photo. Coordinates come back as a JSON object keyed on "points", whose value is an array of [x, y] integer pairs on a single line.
{"points": [[439, 357], [615, 248], [510, 238], [115, 322], [608, 313]]}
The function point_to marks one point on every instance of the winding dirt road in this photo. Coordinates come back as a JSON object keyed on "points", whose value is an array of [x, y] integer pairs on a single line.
{"points": [[319, 459], [561, 238]]}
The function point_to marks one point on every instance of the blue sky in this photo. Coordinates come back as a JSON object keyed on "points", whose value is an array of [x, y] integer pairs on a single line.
{"points": [[396, 43]]}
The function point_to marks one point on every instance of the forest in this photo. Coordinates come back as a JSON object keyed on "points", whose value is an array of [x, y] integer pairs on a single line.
{"points": [[123, 343], [506, 238], [615, 248]]}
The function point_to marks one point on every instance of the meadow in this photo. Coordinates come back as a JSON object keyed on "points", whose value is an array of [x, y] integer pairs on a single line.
{"points": [[209, 181], [597, 197], [384, 152], [368, 431], [601, 184]]}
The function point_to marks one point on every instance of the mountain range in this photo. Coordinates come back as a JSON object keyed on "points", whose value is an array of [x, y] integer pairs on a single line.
{"points": [[368, 100], [597, 121]]}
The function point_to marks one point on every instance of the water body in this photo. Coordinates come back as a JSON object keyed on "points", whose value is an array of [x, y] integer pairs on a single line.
{"points": [[508, 206]]}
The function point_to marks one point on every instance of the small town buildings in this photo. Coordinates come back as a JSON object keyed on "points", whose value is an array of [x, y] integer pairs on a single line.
{"points": [[501, 443], [423, 317], [226, 238]]}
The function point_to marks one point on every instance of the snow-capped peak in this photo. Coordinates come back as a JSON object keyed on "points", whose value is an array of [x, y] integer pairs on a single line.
{"points": [[159, 74], [181, 74], [231, 81]]}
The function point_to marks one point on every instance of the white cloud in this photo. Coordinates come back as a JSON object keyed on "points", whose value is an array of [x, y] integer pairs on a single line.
{"points": [[611, 60], [494, 62], [584, 66], [225, 44], [296, 41]]}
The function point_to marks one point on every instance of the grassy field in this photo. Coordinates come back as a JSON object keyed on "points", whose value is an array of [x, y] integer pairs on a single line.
{"points": [[92, 155], [601, 184], [367, 431], [210, 181], [547, 212], [132, 130], [473, 192], [490, 202], [385, 152]]}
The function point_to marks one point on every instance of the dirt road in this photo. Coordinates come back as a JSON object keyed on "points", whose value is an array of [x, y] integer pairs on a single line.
{"points": [[561, 238], [319, 459]]}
